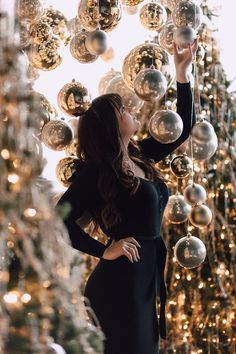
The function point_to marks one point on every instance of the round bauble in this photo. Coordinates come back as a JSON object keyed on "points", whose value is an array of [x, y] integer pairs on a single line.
{"points": [[65, 169], [200, 216], [165, 126], [150, 84], [74, 99], [187, 13], [94, 13], [190, 252], [153, 16], [181, 166], [58, 23], [166, 37], [96, 42], [194, 194], [56, 135], [40, 32], [177, 210], [78, 48], [105, 80], [184, 36], [28, 10], [203, 132]]}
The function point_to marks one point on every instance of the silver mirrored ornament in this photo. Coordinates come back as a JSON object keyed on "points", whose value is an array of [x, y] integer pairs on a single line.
{"points": [[187, 13], [194, 193], [203, 151], [96, 42], [165, 126], [203, 132], [190, 252], [78, 48], [150, 84], [184, 36], [177, 210], [200, 216]]}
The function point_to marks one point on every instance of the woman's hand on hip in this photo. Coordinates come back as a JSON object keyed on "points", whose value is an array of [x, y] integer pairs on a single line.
{"points": [[126, 246]]}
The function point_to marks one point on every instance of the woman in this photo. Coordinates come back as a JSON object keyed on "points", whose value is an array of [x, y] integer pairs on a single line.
{"points": [[122, 190]]}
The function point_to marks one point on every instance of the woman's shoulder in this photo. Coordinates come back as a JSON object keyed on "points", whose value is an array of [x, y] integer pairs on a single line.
{"points": [[84, 170]]}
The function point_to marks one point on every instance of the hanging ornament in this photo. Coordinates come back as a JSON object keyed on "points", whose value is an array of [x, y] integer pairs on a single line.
{"points": [[177, 210], [203, 151], [129, 99], [190, 252], [165, 126], [184, 36], [131, 10], [181, 166], [203, 132], [166, 37], [153, 16], [200, 54], [194, 194], [74, 26], [46, 56], [74, 99], [78, 48], [56, 135], [164, 165], [105, 79], [94, 13], [143, 57], [108, 55], [131, 3], [58, 23], [65, 169], [28, 10], [40, 32], [200, 216], [187, 13], [96, 42], [150, 84]]}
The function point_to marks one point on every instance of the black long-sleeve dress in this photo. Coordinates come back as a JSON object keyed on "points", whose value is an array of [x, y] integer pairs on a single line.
{"points": [[123, 294]]}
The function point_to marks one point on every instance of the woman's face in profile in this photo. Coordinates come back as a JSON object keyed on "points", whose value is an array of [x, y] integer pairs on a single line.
{"points": [[128, 123]]}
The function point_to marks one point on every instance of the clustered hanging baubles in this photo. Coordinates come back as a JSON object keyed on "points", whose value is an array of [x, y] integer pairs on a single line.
{"points": [[143, 57], [129, 99], [165, 126], [181, 166], [65, 169], [94, 13], [56, 135], [190, 251], [74, 99], [153, 16], [150, 84], [78, 48]]}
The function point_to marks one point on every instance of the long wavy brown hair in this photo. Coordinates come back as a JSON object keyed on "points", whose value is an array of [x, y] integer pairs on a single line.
{"points": [[100, 142]]}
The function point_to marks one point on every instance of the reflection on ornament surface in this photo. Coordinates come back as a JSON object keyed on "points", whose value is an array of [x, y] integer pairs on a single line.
{"points": [[190, 252]]}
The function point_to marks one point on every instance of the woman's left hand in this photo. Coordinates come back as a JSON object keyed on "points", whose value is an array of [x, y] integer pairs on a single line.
{"points": [[183, 59]]}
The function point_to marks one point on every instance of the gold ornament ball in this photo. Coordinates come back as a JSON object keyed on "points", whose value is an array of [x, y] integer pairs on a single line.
{"points": [[72, 148], [150, 84], [28, 10], [105, 79], [170, 4], [129, 99], [96, 42], [181, 166], [56, 135], [165, 126], [194, 193], [108, 55], [187, 13], [200, 216], [58, 23], [46, 56], [65, 169], [74, 99], [153, 16], [94, 13], [78, 49], [142, 57], [190, 252], [177, 210], [164, 165], [166, 37], [40, 32]]}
